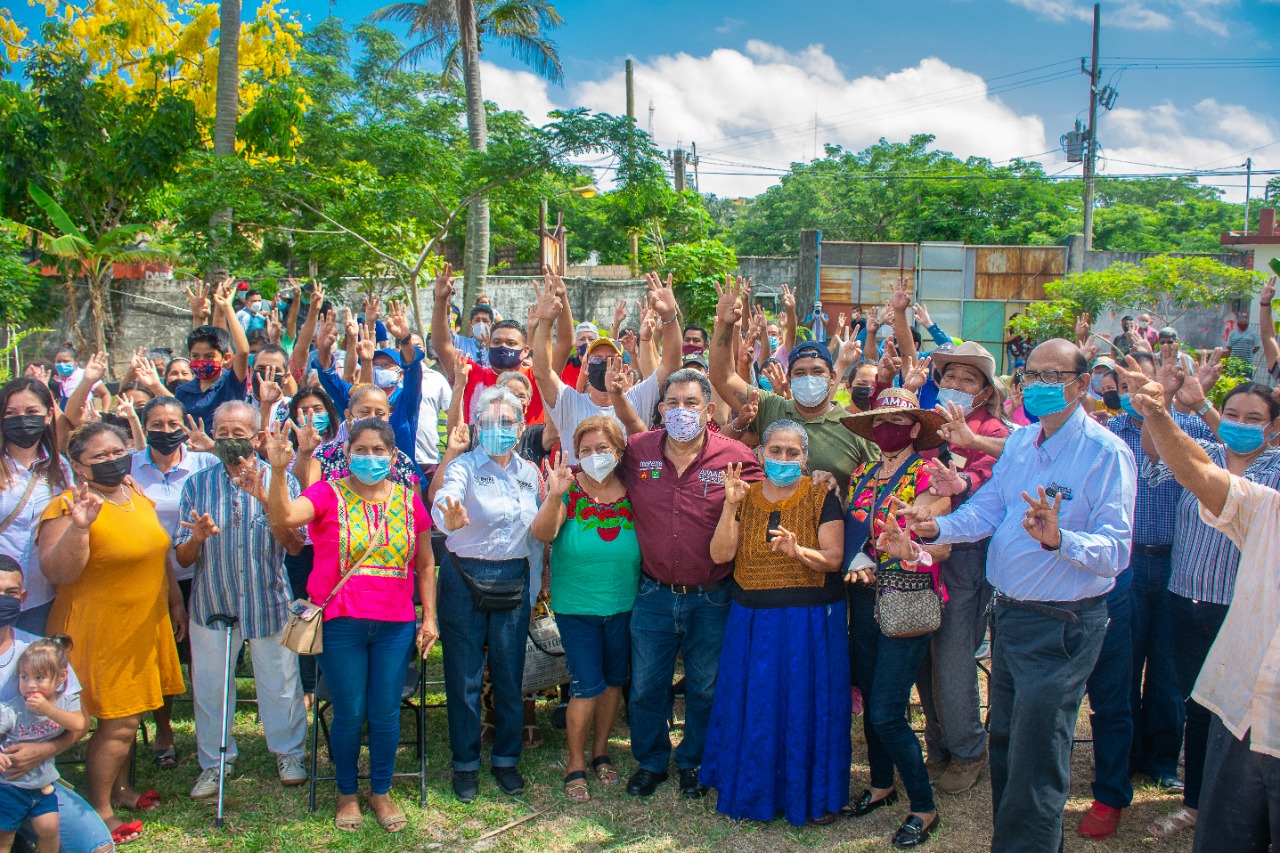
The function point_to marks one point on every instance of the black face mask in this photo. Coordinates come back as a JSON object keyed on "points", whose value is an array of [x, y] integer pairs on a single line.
{"points": [[10, 606], [112, 472], [24, 430], [232, 450], [174, 384], [165, 443], [595, 375], [1111, 399], [861, 395]]}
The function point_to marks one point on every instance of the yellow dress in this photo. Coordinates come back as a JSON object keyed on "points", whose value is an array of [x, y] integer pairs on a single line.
{"points": [[117, 612]]}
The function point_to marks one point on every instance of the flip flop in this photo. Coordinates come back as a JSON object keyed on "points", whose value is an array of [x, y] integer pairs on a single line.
{"points": [[148, 801], [603, 767], [575, 787], [127, 833], [165, 759]]}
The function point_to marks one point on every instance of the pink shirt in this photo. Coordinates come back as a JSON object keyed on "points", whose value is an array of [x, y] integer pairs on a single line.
{"points": [[382, 539]]}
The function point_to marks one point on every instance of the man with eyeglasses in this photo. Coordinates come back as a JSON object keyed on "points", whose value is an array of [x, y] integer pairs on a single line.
{"points": [[1059, 511]]}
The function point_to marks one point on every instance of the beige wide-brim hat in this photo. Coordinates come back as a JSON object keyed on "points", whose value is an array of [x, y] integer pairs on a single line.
{"points": [[972, 355], [898, 401]]}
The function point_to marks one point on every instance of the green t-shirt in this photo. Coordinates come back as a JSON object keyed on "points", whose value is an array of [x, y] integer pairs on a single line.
{"points": [[832, 447], [595, 558]]}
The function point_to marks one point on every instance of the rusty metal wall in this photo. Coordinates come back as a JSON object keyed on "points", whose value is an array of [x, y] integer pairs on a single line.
{"points": [[1013, 273], [864, 273]]}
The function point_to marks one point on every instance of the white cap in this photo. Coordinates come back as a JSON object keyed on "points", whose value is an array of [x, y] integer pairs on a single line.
{"points": [[586, 327]]}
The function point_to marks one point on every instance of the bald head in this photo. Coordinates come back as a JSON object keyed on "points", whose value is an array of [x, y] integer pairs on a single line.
{"points": [[1058, 354]]}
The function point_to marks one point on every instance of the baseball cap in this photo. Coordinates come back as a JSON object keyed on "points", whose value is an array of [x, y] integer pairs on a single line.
{"points": [[811, 349]]}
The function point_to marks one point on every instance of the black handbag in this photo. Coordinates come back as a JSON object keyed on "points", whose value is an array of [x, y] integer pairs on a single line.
{"points": [[493, 596]]}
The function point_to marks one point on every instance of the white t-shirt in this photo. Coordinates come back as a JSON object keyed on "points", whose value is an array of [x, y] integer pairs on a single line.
{"points": [[18, 540], [573, 407], [436, 397]]}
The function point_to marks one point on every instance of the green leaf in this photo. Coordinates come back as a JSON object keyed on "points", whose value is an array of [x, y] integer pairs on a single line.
{"points": [[54, 211]]}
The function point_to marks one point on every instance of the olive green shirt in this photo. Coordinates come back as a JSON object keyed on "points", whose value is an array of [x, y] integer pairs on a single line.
{"points": [[832, 446]]}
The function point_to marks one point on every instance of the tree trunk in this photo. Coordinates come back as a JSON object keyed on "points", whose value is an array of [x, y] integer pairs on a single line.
{"points": [[98, 313], [477, 248], [226, 110]]}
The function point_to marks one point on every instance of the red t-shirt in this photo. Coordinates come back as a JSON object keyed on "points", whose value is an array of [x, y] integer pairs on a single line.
{"points": [[483, 376]]}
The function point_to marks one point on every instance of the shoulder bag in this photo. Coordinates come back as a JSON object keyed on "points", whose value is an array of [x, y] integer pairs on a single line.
{"points": [[304, 632]]}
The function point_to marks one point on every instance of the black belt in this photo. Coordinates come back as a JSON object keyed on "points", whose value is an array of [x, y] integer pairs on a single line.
{"points": [[1063, 611], [689, 589], [1153, 550]]}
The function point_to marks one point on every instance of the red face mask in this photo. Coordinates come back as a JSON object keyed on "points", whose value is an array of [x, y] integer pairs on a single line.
{"points": [[206, 368], [891, 437]]}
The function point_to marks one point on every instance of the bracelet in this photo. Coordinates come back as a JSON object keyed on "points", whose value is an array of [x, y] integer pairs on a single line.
{"points": [[733, 425], [1265, 304], [403, 341]]}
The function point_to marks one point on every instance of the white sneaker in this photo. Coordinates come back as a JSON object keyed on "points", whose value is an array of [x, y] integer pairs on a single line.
{"points": [[291, 770], [206, 785]]}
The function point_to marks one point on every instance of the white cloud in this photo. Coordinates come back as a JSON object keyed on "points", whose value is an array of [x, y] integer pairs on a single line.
{"points": [[1200, 15], [522, 90]]}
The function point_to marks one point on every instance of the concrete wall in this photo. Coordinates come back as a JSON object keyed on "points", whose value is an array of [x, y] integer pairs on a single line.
{"points": [[768, 273]]}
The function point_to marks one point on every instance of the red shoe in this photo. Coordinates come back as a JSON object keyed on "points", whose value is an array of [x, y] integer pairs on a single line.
{"points": [[1101, 821], [856, 695]]}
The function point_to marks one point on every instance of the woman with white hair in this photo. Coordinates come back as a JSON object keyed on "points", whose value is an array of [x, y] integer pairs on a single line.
{"points": [[485, 507]]}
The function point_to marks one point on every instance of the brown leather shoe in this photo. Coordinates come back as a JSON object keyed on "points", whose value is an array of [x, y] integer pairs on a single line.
{"points": [[960, 777]]}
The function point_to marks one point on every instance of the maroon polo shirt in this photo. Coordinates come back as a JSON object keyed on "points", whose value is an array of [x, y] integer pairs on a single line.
{"points": [[676, 516]]}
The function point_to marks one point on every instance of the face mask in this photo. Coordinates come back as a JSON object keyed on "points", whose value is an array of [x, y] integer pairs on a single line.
{"points": [[255, 306], [861, 396], [252, 356], [1095, 383], [1115, 401], [174, 384], [599, 465], [595, 375], [582, 350], [320, 420], [891, 437], [10, 607], [504, 358], [23, 430], [165, 443], [773, 343], [205, 368], [480, 331], [112, 472], [782, 473], [64, 368], [682, 424], [498, 440], [765, 383], [232, 450], [1242, 438], [370, 470], [385, 377], [809, 390], [959, 398], [1042, 399]]}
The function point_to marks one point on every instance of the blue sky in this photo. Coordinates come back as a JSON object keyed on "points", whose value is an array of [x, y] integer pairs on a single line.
{"points": [[745, 80]]}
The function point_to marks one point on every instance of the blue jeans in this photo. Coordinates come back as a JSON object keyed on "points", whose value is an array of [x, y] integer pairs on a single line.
{"points": [[1197, 624], [298, 568], [1038, 670], [80, 830], [885, 668], [597, 650], [365, 662], [664, 623], [1110, 715], [1156, 701], [465, 634]]}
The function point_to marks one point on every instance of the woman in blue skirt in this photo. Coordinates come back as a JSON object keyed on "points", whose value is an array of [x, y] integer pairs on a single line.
{"points": [[779, 734]]}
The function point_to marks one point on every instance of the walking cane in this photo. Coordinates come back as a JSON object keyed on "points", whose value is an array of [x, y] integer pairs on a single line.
{"points": [[228, 622]]}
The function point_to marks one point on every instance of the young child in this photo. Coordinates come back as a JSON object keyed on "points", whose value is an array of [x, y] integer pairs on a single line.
{"points": [[39, 713], [219, 358]]}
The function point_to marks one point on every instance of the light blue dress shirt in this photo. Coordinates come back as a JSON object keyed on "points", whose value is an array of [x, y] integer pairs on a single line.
{"points": [[1097, 476], [165, 489], [501, 502]]}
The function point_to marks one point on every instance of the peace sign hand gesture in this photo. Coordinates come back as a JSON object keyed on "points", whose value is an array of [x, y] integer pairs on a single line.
{"points": [[455, 515], [85, 509], [559, 478], [735, 488], [1042, 518]]}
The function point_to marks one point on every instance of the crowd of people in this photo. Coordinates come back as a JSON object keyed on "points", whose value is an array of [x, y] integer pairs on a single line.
{"points": [[788, 523]]}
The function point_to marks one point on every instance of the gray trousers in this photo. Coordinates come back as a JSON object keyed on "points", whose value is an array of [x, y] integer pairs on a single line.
{"points": [[948, 681], [1240, 803]]}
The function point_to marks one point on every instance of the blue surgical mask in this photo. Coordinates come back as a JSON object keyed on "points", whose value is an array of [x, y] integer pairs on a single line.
{"points": [[320, 420], [773, 343], [1127, 406], [959, 398], [1242, 438], [498, 440], [65, 368], [782, 473], [809, 390], [370, 470], [1043, 399], [385, 377]]}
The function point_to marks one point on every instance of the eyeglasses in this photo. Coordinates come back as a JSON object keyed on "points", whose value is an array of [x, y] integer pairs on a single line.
{"points": [[1050, 377]]}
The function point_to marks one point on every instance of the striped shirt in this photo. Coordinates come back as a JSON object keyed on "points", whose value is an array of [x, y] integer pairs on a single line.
{"points": [[240, 570], [1204, 559], [1156, 505]]}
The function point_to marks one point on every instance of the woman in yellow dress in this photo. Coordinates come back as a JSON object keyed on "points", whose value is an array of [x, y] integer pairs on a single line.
{"points": [[104, 549]]}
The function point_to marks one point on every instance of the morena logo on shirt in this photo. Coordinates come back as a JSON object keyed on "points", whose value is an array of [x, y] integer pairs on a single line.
{"points": [[650, 469], [1056, 489]]}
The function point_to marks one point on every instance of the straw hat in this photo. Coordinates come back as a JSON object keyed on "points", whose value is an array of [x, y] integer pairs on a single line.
{"points": [[972, 355], [898, 401]]}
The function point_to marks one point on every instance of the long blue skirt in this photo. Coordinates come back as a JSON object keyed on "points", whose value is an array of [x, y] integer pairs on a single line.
{"points": [[779, 737]]}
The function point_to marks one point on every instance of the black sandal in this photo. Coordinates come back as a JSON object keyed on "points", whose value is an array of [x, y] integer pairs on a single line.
{"points": [[602, 765], [165, 759], [575, 787]]}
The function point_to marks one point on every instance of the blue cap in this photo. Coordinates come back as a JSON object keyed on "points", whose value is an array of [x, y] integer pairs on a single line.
{"points": [[810, 349], [392, 354]]}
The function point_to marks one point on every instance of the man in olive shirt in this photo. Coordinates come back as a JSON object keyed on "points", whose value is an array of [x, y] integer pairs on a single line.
{"points": [[813, 379]]}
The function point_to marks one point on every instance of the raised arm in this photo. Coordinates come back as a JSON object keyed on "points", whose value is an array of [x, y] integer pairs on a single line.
{"points": [[1270, 348], [64, 541], [441, 334], [622, 408], [94, 369], [663, 299], [901, 302], [720, 367], [222, 300], [562, 348], [551, 515], [284, 511], [790, 321], [302, 341], [647, 349], [724, 542], [546, 308]]}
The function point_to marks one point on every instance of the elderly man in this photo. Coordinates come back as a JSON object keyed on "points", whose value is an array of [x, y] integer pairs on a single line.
{"points": [[1058, 509], [1239, 684], [239, 571]]}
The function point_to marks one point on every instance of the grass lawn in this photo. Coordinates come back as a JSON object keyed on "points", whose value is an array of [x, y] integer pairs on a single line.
{"points": [[264, 816]]}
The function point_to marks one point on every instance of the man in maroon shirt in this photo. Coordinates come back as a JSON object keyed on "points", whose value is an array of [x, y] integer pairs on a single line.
{"points": [[675, 477]]}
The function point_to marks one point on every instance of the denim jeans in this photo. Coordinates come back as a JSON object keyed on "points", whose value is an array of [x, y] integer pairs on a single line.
{"points": [[80, 830], [365, 662], [1111, 718], [1196, 625], [1157, 703], [886, 668], [469, 638], [298, 568], [597, 650], [1241, 809], [664, 623], [948, 681], [1038, 670]]}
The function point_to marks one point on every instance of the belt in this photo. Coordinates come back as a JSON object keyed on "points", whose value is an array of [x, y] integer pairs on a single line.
{"points": [[1153, 550], [1063, 611], [689, 589]]}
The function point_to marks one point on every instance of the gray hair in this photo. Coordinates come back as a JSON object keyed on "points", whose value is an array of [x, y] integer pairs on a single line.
{"points": [[685, 376], [785, 425], [496, 394], [515, 376], [236, 407]]}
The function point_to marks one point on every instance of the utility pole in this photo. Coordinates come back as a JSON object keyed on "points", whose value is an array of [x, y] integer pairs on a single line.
{"points": [[631, 114], [1248, 185], [697, 184], [631, 89], [1091, 153], [677, 165]]}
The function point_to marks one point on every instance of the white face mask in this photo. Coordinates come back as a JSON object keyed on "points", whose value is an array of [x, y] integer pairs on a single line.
{"points": [[960, 398], [809, 390], [599, 465]]}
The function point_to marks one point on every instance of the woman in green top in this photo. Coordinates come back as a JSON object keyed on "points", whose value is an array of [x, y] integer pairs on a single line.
{"points": [[595, 574]]}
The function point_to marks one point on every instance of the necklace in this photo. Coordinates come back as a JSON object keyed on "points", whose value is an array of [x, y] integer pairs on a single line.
{"points": [[8, 658], [127, 506]]}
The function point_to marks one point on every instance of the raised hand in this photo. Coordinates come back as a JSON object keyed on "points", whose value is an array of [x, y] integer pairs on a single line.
{"points": [[955, 429], [366, 346], [397, 321], [1041, 519], [459, 440], [619, 313], [1138, 342], [1145, 395], [327, 333], [1209, 370], [39, 373], [148, 377], [455, 514], [198, 299], [95, 368], [372, 310], [1082, 328], [945, 480], [728, 300], [788, 302], [889, 365], [559, 478], [89, 414], [1170, 373], [735, 488], [922, 315], [309, 437], [275, 329], [224, 295], [546, 305], [615, 376], [747, 414], [841, 322], [778, 379], [197, 438], [884, 317], [202, 527], [850, 352], [269, 392], [1268, 292], [125, 409], [279, 450], [85, 508], [917, 374], [785, 541], [900, 299], [444, 283]]}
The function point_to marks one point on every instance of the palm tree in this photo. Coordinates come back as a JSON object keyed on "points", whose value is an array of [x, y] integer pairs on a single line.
{"points": [[226, 110], [457, 30]]}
